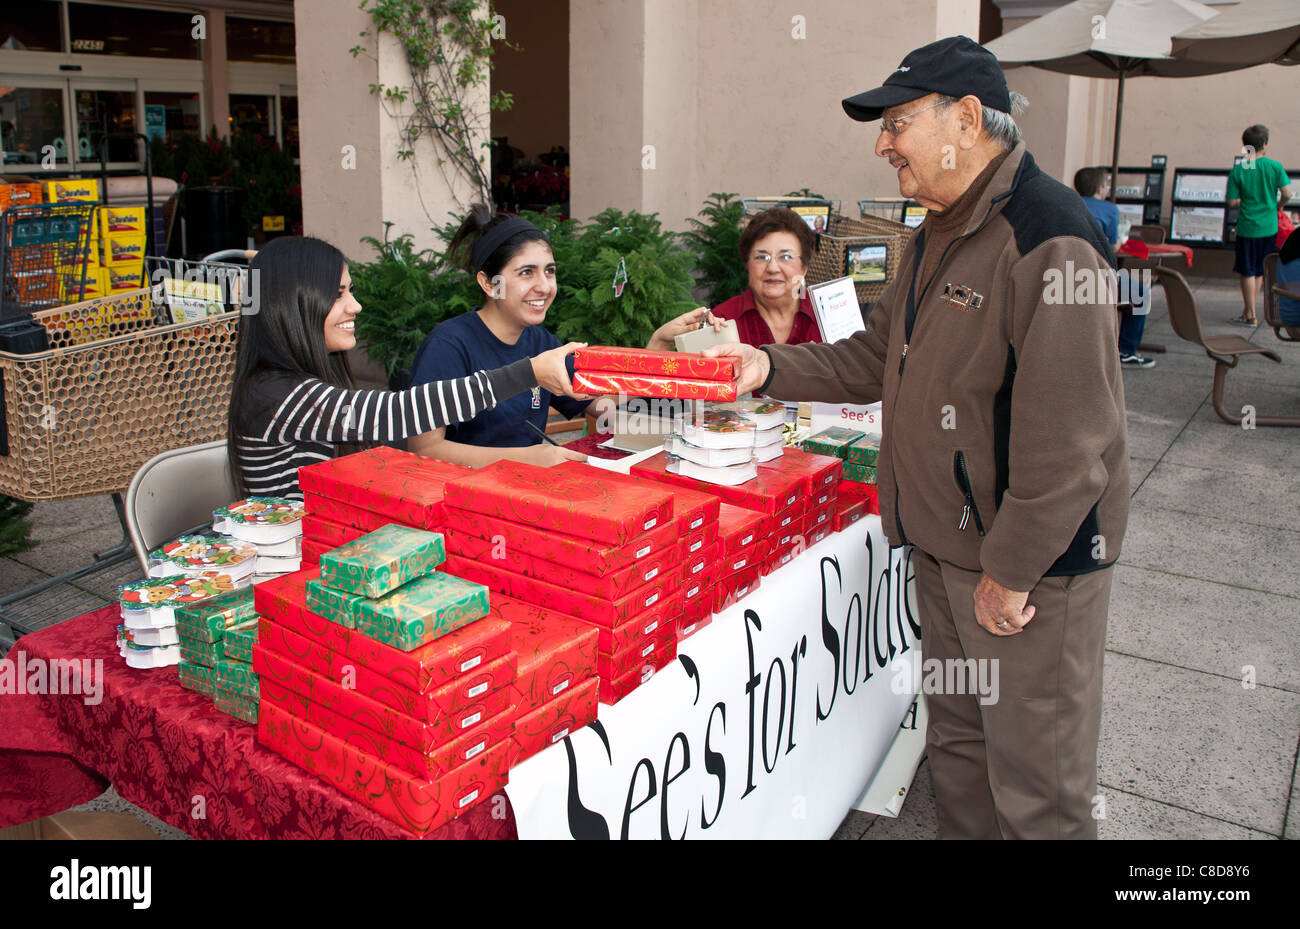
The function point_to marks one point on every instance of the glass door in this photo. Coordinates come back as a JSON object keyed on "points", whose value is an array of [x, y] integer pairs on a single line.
{"points": [[106, 123], [35, 123]]}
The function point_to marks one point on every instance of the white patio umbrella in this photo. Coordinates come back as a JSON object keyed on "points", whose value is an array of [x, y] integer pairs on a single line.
{"points": [[1108, 38], [1251, 33]]}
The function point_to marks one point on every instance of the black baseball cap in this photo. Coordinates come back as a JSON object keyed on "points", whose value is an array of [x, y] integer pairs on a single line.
{"points": [[954, 67]]}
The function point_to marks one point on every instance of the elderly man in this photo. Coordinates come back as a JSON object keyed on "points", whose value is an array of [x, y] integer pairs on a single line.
{"points": [[1005, 453]]}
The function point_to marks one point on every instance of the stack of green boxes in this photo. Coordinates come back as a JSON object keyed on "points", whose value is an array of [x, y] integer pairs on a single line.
{"points": [[216, 637], [386, 586], [860, 464], [858, 449]]}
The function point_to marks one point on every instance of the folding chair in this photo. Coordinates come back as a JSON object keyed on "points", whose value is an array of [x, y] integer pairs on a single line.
{"points": [[1226, 350], [174, 492]]}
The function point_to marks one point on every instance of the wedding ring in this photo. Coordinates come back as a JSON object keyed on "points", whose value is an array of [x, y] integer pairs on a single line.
{"points": [[1003, 624]]}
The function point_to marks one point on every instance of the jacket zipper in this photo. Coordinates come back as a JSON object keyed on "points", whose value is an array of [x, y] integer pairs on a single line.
{"points": [[963, 481], [902, 360]]}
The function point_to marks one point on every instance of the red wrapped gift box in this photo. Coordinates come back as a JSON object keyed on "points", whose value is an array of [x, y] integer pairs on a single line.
{"points": [[770, 492], [365, 732], [482, 642], [404, 487], [702, 564], [612, 691], [727, 590], [615, 665], [815, 472], [412, 802], [311, 552], [816, 519], [648, 361], [691, 509], [577, 504], [611, 586], [556, 653], [340, 708], [848, 512], [780, 558], [697, 614], [854, 490], [788, 522], [317, 528], [740, 528], [430, 705], [827, 497], [346, 514], [736, 562], [555, 720], [818, 534], [700, 539], [563, 600], [602, 383], [635, 630], [581, 554]]}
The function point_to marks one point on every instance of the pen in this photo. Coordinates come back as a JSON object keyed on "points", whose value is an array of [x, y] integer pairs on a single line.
{"points": [[541, 433]]}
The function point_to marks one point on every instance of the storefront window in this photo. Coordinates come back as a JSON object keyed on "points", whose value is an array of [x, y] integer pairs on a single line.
{"points": [[118, 30], [30, 119], [166, 115], [259, 40], [251, 113], [32, 26], [289, 123], [106, 116]]}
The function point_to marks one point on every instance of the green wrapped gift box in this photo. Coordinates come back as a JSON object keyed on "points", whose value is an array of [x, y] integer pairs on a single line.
{"points": [[201, 653], [414, 614], [833, 441], [864, 452], [237, 643], [196, 677], [207, 620], [237, 706], [863, 474], [382, 561]]}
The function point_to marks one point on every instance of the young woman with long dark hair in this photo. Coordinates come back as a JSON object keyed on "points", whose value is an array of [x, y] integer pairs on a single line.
{"points": [[294, 401]]}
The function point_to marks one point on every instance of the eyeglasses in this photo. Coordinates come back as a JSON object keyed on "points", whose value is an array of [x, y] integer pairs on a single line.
{"points": [[786, 259], [896, 124]]}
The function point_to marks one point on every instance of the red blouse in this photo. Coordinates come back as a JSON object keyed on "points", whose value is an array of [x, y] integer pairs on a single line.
{"points": [[754, 329]]}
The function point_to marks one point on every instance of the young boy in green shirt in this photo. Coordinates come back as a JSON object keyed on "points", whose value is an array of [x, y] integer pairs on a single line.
{"points": [[1253, 187]]}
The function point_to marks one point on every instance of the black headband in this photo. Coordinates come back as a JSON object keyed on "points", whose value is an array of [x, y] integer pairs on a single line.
{"points": [[487, 244]]}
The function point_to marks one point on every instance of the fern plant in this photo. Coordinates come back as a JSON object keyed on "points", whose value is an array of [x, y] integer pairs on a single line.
{"points": [[714, 243]]}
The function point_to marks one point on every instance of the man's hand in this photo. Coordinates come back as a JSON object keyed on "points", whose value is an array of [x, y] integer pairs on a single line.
{"points": [[663, 338], [755, 365], [1001, 611]]}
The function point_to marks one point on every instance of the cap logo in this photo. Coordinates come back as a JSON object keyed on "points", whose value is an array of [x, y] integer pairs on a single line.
{"points": [[902, 69]]}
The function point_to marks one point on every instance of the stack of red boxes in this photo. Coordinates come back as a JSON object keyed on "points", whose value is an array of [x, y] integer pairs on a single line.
{"points": [[764, 522], [348, 497], [418, 736], [557, 689], [582, 542]]}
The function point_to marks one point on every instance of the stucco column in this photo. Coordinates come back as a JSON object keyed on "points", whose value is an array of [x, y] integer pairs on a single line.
{"points": [[352, 178], [216, 80]]}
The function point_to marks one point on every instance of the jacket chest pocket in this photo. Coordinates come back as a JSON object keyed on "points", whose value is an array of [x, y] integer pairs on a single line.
{"points": [[962, 477]]}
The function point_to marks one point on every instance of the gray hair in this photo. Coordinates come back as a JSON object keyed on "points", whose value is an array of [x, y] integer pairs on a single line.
{"points": [[1000, 128]]}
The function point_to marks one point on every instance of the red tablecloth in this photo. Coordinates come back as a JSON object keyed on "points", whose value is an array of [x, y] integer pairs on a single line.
{"points": [[588, 445], [161, 747], [1140, 249]]}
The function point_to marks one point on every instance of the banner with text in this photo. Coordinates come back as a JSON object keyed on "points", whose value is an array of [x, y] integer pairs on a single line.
{"points": [[769, 724]]}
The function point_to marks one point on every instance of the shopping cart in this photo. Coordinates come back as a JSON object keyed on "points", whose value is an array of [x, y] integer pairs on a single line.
{"points": [[44, 249], [187, 291]]}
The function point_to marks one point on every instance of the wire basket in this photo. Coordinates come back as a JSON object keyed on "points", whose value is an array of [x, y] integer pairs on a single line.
{"points": [[44, 250], [115, 389], [860, 239]]}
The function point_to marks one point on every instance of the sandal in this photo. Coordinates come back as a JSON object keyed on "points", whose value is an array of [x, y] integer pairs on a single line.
{"points": [[1243, 321]]}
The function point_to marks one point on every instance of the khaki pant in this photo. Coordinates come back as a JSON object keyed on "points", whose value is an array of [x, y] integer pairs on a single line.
{"points": [[1024, 767]]}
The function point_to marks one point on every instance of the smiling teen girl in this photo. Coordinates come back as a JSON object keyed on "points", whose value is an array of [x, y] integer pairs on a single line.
{"points": [[293, 401], [512, 261]]}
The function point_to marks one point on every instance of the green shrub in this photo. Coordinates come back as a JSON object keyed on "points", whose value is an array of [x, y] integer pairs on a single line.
{"points": [[714, 242], [14, 528]]}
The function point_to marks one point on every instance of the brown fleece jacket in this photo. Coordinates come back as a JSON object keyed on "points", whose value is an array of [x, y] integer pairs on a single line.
{"points": [[1005, 447]]}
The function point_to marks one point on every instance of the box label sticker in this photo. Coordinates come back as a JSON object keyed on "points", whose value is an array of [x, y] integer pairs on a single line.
{"points": [[688, 630], [468, 798], [559, 735], [646, 673], [785, 522], [737, 565], [698, 567], [651, 600], [696, 547], [697, 524], [471, 664], [650, 524], [475, 750], [650, 628], [651, 574], [747, 539], [645, 551], [470, 720], [693, 591], [647, 650], [477, 689], [559, 687]]}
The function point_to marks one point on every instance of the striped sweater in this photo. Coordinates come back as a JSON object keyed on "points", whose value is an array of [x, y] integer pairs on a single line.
{"points": [[292, 422]]}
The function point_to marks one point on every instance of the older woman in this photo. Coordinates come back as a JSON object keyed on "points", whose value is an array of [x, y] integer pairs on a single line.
{"points": [[776, 309]]}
